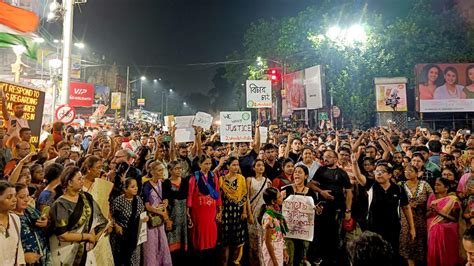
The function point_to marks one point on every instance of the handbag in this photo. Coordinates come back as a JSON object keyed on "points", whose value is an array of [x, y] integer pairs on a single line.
{"points": [[155, 220]]}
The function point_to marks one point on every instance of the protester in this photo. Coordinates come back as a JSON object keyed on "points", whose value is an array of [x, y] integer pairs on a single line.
{"points": [[9, 227], [370, 249], [468, 244], [126, 210], [256, 186], [286, 177]]}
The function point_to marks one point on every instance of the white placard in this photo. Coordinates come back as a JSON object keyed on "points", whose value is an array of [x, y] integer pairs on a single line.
{"points": [[259, 94], [299, 215], [314, 88], [236, 127], [203, 120], [184, 121], [263, 134], [184, 135], [142, 230]]}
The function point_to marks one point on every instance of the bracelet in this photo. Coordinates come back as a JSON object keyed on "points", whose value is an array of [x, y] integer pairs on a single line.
{"points": [[82, 237]]}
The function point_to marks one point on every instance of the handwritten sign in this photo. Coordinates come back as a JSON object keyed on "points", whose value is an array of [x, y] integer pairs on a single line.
{"points": [[259, 94], [183, 135], [203, 120], [236, 127], [299, 215], [142, 230], [263, 134], [184, 121], [33, 103]]}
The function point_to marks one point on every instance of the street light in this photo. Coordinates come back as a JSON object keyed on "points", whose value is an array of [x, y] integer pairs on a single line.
{"points": [[351, 36], [155, 80], [142, 78], [185, 104], [79, 45]]}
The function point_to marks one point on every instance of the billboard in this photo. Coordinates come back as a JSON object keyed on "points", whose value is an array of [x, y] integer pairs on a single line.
{"points": [[303, 90], [391, 94], [444, 87], [101, 95], [81, 94], [33, 102]]}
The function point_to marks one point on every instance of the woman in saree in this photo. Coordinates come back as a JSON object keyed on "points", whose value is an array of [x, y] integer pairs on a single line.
{"points": [[234, 214], [443, 215], [204, 205], [77, 221], [175, 190], [256, 186]]}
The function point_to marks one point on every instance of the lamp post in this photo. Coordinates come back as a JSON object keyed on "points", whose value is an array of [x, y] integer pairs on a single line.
{"points": [[142, 78]]}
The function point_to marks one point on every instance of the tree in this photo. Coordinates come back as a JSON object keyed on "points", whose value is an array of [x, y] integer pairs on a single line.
{"points": [[392, 48], [219, 94]]}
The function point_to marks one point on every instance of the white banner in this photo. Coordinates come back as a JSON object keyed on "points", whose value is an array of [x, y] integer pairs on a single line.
{"points": [[263, 134], [451, 105], [259, 94], [299, 215], [314, 89], [184, 121], [184, 135], [203, 120], [236, 127]]}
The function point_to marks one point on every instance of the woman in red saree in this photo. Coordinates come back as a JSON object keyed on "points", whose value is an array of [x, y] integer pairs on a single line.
{"points": [[443, 216]]}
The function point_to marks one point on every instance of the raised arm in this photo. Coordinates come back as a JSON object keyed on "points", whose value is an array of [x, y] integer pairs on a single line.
{"points": [[356, 170], [256, 141], [173, 144], [6, 115]]}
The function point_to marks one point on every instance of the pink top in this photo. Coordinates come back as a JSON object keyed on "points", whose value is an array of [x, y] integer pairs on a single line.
{"points": [[425, 93]]}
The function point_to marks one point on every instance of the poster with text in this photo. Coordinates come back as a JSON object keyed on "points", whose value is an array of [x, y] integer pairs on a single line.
{"points": [[444, 87], [259, 93], [391, 97], [299, 215], [236, 127], [33, 102], [81, 94]]}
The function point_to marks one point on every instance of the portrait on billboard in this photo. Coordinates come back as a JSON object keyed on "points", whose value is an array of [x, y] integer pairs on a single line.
{"points": [[391, 97], [445, 87]]}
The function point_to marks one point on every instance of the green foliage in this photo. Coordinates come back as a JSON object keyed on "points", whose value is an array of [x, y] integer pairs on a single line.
{"points": [[392, 48]]}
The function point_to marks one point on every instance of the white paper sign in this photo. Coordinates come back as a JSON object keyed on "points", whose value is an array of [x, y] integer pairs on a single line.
{"points": [[236, 127], [263, 134], [184, 135], [142, 230], [259, 94], [184, 121], [299, 215], [203, 120]]}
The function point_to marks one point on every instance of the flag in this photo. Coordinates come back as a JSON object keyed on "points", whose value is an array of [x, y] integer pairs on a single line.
{"points": [[16, 28]]}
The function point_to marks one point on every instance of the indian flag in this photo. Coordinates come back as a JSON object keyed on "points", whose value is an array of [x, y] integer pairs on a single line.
{"points": [[16, 28]]}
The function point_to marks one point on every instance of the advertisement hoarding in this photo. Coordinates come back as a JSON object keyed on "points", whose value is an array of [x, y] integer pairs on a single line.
{"points": [[445, 87], [81, 94], [391, 94]]}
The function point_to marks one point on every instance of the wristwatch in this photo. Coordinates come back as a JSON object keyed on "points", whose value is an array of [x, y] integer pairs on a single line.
{"points": [[348, 211]]}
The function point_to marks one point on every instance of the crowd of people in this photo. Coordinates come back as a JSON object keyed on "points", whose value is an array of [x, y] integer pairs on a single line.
{"points": [[381, 196]]}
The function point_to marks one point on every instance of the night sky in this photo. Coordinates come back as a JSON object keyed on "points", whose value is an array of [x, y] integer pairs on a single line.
{"points": [[172, 33]]}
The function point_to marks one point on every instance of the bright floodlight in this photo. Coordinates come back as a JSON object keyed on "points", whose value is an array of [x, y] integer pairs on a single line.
{"points": [[155, 80], [56, 41], [356, 33], [334, 32], [55, 63], [184, 103], [143, 78], [79, 45], [19, 49]]}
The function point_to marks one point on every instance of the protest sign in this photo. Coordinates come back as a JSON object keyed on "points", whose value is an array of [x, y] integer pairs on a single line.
{"points": [[236, 127], [184, 135], [203, 120], [263, 134], [184, 121], [299, 215], [259, 94], [142, 230], [33, 102]]}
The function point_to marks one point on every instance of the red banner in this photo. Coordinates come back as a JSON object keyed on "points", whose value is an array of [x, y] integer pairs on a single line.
{"points": [[81, 94]]}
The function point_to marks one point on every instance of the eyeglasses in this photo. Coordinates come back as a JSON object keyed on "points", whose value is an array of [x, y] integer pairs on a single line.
{"points": [[379, 172]]}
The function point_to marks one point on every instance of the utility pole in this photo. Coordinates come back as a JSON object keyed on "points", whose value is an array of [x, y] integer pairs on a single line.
{"points": [[67, 47], [127, 93]]}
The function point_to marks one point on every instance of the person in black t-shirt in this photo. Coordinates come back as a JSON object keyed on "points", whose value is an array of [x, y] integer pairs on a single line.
{"points": [[246, 157], [333, 184], [293, 148], [385, 199], [272, 166]]}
